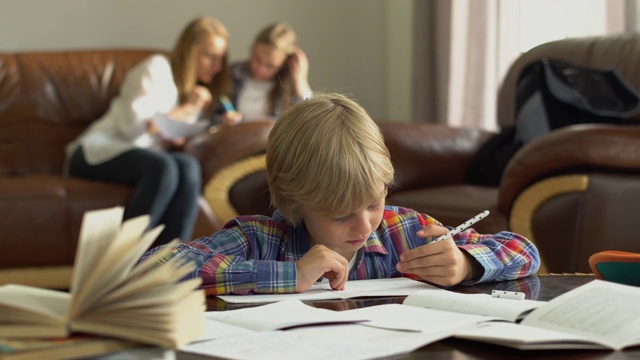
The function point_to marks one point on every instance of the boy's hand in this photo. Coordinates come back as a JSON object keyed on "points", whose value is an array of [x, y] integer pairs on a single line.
{"points": [[319, 262], [441, 263]]}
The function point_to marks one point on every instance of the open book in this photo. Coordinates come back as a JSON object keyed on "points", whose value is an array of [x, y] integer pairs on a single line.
{"points": [[477, 304], [597, 315], [70, 347], [111, 293]]}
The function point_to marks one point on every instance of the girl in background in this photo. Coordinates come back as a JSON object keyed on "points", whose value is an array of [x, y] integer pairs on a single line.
{"points": [[274, 78], [124, 145]]}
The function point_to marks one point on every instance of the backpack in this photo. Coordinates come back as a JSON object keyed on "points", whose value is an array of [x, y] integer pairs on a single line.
{"points": [[552, 94]]}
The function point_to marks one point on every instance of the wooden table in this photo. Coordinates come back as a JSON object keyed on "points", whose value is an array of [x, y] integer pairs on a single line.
{"points": [[541, 287]]}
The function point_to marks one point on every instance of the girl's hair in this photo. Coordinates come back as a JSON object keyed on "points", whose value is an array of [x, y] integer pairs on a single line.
{"points": [[326, 153], [279, 37], [185, 53]]}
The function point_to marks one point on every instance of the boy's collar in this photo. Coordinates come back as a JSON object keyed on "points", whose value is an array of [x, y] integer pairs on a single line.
{"points": [[374, 244]]}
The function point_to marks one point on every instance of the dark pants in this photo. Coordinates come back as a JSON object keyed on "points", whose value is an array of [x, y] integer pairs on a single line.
{"points": [[167, 186]]}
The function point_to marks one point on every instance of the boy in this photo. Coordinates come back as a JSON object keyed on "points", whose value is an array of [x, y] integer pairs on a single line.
{"points": [[329, 171]]}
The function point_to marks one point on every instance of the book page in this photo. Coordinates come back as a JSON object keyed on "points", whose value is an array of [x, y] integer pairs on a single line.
{"points": [[113, 297], [525, 337], [601, 310], [479, 304], [282, 315], [27, 311], [173, 129], [116, 259], [46, 303], [97, 230], [114, 268], [169, 325]]}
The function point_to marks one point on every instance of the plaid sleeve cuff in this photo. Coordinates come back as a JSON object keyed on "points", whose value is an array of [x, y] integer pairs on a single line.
{"points": [[487, 260], [275, 277]]}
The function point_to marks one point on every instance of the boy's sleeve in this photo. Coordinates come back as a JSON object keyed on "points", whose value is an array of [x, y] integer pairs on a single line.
{"points": [[504, 256], [230, 262]]}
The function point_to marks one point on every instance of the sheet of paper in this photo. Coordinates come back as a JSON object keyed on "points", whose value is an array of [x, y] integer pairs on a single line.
{"points": [[411, 318], [216, 330], [354, 288], [286, 345], [173, 129], [396, 327], [283, 314], [479, 304]]}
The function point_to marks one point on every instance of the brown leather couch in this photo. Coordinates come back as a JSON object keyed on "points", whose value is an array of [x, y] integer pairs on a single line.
{"points": [[573, 192], [46, 100]]}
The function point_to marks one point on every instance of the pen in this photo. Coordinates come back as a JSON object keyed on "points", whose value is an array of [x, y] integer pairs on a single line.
{"points": [[463, 226], [226, 103]]}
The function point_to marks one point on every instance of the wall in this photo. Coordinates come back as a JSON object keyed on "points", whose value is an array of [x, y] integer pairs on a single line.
{"points": [[358, 47]]}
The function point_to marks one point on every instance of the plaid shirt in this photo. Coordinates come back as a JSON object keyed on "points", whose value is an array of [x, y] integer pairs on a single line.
{"points": [[257, 254]]}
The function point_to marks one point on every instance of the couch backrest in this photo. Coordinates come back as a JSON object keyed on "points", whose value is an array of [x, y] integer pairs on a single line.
{"points": [[48, 98], [619, 52]]}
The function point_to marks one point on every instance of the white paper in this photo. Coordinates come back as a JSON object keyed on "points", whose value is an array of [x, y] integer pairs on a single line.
{"points": [[411, 318], [286, 345], [173, 129], [355, 288], [281, 315], [479, 304], [396, 327], [216, 330]]}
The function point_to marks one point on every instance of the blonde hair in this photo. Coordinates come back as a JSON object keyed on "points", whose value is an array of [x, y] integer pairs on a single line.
{"points": [[326, 152], [185, 53], [279, 37]]}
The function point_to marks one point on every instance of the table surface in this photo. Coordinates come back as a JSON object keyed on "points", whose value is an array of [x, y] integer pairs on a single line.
{"points": [[541, 287]]}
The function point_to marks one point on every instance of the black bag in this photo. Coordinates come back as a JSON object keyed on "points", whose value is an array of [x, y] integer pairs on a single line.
{"points": [[489, 163], [552, 94]]}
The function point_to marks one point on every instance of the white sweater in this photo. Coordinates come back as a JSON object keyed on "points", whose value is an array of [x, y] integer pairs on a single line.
{"points": [[147, 88]]}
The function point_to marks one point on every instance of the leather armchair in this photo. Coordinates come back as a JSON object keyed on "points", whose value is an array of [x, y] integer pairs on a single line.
{"points": [[573, 192]]}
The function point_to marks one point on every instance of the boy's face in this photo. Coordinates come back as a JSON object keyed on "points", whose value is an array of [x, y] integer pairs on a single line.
{"points": [[343, 233]]}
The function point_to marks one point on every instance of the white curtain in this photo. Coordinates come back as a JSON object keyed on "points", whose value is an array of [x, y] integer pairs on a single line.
{"points": [[463, 48]]}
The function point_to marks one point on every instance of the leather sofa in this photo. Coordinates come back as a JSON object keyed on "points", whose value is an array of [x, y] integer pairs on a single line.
{"points": [[46, 100], [574, 192]]}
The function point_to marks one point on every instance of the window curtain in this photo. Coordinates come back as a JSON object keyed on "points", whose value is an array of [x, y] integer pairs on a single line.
{"points": [[463, 48]]}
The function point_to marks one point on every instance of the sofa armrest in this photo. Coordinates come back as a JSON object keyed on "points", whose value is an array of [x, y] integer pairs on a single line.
{"points": [[571, 150], [426, 155], [228, 144]]}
